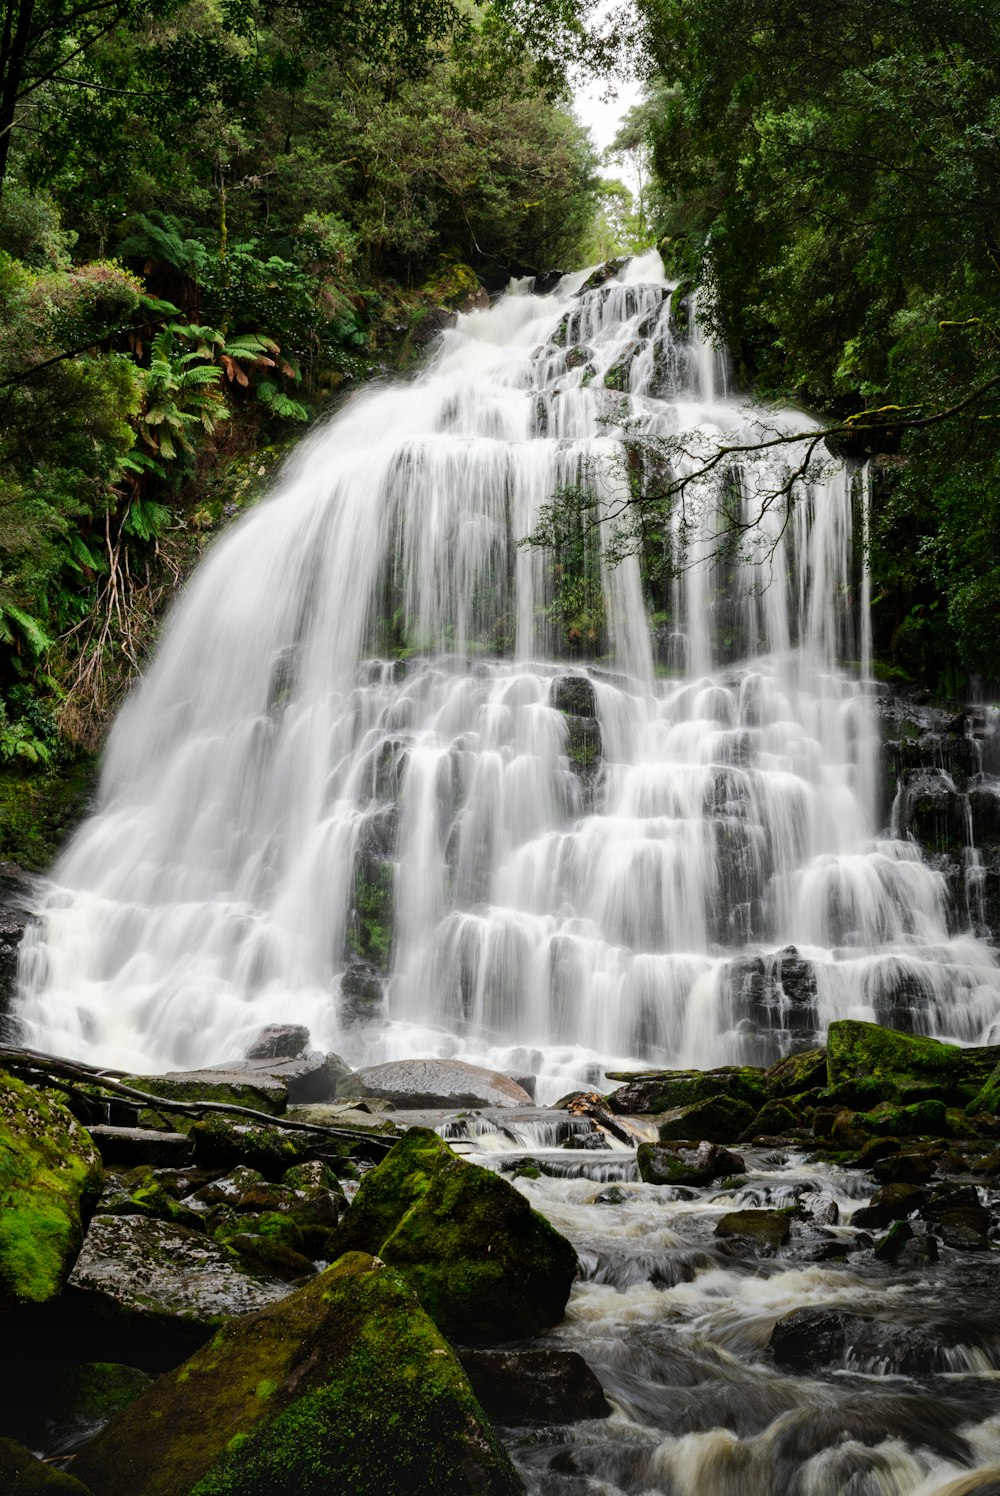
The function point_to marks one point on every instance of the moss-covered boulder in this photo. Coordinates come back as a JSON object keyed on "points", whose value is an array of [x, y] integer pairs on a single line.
{"points": [[260, 1090], [486, 1266], [720, 1119], [50, 1177], [988, 1098], [346, 1386], [677, 1164], [906, 1067], [23, 1474], [220, 1143], [797, 1073], [659, 1091], [757, 1232], [139, 1192]]}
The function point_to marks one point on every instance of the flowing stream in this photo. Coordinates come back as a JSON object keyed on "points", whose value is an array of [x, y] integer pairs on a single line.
{"points": [[359, 788]]}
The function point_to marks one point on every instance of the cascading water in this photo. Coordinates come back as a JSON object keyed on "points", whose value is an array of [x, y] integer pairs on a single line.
{"points": [[357, 789]]}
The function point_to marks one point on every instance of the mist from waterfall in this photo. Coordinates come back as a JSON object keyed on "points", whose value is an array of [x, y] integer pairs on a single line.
{"points": [[363, 788]]}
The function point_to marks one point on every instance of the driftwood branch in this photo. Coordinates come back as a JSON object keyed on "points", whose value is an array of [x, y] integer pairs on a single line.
{"points": [[50, 1067]]}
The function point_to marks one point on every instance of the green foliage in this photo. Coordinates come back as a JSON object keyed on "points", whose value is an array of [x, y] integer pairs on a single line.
{"points": [[829, 174]]}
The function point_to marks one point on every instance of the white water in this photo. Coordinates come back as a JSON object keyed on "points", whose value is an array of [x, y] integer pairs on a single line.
{"points": [[278, 762]]}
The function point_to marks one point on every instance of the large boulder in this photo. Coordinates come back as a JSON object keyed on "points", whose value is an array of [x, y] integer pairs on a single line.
{"points": [[535, 1386], [345, 1386], [719, 1119], [881, 1064], [279, 1041], [434, 1083], [22, 1474], [50, 1177], [486, 1266], [155, 1289], [645, 1095]]}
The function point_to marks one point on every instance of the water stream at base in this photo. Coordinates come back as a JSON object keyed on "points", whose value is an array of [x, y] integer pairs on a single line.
{"points": [[358, 788], [676, 1322]]}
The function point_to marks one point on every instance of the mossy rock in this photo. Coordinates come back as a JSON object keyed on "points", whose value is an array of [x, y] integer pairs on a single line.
{"points": [[344, 1386], [39, 811], [988, 1099], [906, 1067], [660, 1091], [676, 1164], [50, 1177], [720, 1119], [762, 1232], [219, 1143], [920, 1119], [263, 1094], [139, 1192], [485, 1265], [776, 1119], [22, 1474], [797, 1073], [58, 1409]]}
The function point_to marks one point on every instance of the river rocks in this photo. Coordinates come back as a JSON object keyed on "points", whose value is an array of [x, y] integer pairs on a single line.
{"points": [[966, 1229], [345, 1386], [893, 1203], [720, 1119], [50, 1177], [757, 1232], [535, 1386], [486, 1266], [905, 1168], [658, 1091], [808, 1339], [434, 1083], [139, 1192], [160, 1284], [279, 1041], [681, 1165], [574, 695]]}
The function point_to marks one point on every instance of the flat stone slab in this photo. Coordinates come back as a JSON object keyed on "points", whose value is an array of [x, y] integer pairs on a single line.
{"points": [[146, 1270], [435, 1083], [140, 1145], [261, 1090]]}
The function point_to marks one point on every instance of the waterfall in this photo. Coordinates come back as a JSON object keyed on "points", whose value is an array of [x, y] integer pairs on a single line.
{"points": [[383, 780]]}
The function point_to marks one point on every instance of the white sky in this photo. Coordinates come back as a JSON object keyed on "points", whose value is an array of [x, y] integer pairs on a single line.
{"points": [[601, 116]]}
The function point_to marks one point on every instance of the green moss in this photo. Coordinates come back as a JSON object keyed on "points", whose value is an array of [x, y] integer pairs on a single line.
{"points": [[485, 1265], [988, 1098], [899, 1067], [921, 1119], [777, 1117], [39, 811], [719, 1119], [219, 1143], [139, 1192], [50, 1177], [797, 1073], [344, 1386], [23, 1474], [198, 1088]]}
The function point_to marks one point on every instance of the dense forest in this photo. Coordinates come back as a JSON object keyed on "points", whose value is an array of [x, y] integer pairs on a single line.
{"points": [[216, 219]]}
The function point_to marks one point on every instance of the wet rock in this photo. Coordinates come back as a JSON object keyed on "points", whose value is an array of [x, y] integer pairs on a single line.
{"points": [[485, 1265], [872, 1150], [759, 1232], [892, 1203], [139, 1192], [574, 695], [821, 1208], [219, 1143], [23, 1474], [311, 1077], [18, 899], [988, 1167], [577, 356], [279, 1041], [604, 273], [905, 1168], [129, 1147], [889, 1247], [776, 1119], [659, 1091], [50, 1178], [434, 1083], [264, 1257], [679, 1164], [988, 1099], [263, 1092], [147, 1276], [906, 1067], [536, 1386], [720, 1119], [797, 1073], [965, 1229], [808, 1339], [344, 1386]]}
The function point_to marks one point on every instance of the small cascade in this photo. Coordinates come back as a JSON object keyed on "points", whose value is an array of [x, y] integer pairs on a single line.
{"points": [[427, 791]]}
